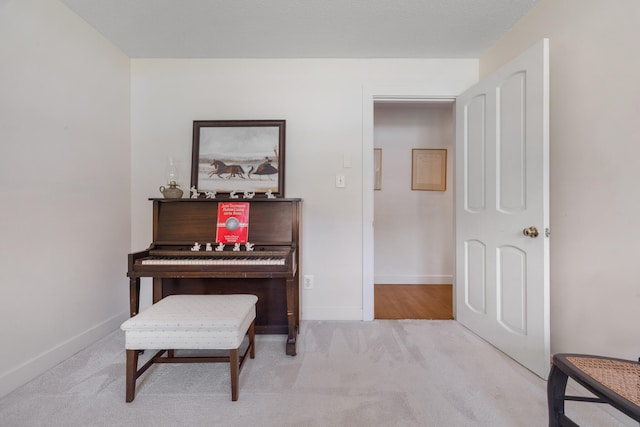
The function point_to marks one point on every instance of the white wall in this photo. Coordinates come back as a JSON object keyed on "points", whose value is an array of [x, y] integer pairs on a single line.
{"points": [[64, 128], [322, 101], [595, 201], [413, 230]]}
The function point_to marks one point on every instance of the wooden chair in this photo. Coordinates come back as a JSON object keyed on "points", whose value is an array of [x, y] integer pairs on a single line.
{"points": [[191, 322], [612, 381]]}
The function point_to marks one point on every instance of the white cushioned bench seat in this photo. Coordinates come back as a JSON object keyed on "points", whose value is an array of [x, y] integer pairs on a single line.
{"points": [[191, 322]]}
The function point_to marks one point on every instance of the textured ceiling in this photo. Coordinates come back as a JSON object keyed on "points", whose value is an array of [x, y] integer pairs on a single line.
{"points": [[302, 28]]}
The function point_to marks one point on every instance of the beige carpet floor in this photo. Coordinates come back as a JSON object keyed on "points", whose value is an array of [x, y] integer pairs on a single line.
{"points": [[380, 373]]}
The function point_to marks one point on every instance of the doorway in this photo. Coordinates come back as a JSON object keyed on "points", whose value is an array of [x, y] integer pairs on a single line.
{"points": [[515, 325], [413, 229], [424, 302]]}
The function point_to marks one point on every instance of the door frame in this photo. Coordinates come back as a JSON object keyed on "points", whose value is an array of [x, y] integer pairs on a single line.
{"points": [[369, 97]]}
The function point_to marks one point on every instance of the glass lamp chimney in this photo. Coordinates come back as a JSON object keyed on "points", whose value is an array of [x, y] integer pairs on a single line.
{"points": [[171, 172]]}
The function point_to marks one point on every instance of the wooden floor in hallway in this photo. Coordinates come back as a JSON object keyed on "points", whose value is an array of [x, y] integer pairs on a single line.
{"points": [[413, 302]]}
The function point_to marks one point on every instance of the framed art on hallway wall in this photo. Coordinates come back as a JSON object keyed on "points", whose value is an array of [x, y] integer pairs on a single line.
{"points": [[377, 168], [429, 169]]}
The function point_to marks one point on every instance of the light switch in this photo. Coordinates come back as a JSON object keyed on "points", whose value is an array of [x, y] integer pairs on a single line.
{"points": [[346, 160], [340, 181]]}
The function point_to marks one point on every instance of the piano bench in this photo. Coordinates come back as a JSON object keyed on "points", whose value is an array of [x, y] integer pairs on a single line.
{"points": [[191, 322]]}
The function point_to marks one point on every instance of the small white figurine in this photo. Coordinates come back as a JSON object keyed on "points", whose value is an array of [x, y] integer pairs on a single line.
{"points": [[236, 247], [195, 247], [220, 247], [233, 195], [194, 192], [249, 247], [270, 194], [211, 194], [249, 195], [208, 248]]}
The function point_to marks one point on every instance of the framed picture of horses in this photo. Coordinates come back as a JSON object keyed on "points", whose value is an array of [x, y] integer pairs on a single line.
{"points": [[238, 158]]}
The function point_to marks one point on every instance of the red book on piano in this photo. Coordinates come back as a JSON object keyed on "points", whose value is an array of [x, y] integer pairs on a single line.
{"points": [[233, 222]]}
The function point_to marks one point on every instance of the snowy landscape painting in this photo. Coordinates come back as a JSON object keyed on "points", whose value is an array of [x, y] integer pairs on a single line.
{"points": [[238, 155]]}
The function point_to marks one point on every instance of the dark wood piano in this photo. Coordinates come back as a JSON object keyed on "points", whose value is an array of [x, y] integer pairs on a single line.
{"points": [[270, 271]]}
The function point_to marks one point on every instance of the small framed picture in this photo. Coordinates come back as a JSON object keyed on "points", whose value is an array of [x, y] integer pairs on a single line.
{"points": [[429, 169], [377, 168]]}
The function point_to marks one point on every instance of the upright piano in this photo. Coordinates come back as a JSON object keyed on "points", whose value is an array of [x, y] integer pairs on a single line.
{"points": [[270, 271]]}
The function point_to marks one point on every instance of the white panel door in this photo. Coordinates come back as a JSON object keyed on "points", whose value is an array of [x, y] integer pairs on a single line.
{"points": [[502, 200]]}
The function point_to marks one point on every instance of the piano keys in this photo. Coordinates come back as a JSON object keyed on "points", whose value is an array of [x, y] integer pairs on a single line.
{"points": [[176, 257], [213, 261], [270, 271]]}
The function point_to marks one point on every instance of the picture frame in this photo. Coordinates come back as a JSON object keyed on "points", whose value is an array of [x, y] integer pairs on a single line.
{"points": [[238, 156], [429, 169], [377, 168]]}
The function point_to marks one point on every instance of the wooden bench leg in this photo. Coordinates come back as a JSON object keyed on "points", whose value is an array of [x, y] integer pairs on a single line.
{"points": [[234, 368], [556, 389], [252, 337], [131, 374]]}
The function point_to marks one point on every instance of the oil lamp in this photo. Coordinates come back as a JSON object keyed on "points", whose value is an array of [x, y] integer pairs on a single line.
{"points": [[172, 191]]}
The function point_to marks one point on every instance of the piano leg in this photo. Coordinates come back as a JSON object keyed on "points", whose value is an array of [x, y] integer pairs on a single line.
{"points": [[291, 318], [134, 296], [157, 289]]}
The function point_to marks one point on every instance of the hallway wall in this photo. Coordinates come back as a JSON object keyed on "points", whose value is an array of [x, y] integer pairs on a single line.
{"points": [[413, 229]]}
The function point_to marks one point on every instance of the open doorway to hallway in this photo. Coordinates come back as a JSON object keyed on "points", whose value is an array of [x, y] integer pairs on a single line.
{"points": [[413, 229], [433, 302]]}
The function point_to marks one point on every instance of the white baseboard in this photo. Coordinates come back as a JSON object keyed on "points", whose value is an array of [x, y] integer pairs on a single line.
{"points": [[413, 280], [30, 369], [331, 313]]}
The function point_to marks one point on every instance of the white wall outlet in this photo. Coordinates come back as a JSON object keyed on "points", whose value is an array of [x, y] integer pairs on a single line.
{"points": [[307, 281]]}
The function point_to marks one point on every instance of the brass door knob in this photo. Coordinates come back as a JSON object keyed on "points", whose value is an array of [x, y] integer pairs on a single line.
{"points": [[530, 232]]}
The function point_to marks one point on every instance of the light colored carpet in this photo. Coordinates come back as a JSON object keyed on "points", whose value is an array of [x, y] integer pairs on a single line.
{"points": [[380, 373]]}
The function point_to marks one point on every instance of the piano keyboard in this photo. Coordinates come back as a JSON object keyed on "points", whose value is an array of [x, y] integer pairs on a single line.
{"points": [[214, 261]]}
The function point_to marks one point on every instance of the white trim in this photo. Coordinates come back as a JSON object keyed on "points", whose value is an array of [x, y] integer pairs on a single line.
{"points": [[411, 99], [446, 279], [332, 313], [369, 97]]}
